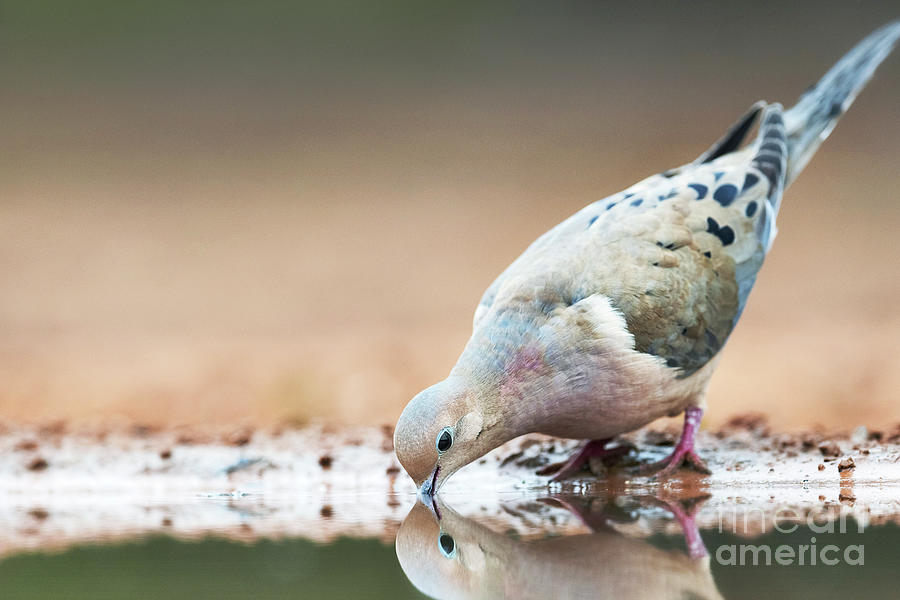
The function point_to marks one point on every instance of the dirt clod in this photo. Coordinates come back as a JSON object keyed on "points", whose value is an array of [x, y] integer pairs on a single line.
{"points": [[38, 514], [37, 464], [239, 437], [166, 454], [326, 512], [846, 464], [893, 436], [325, 461], [753, 422], [190, 438], [143, 430], [821, 467], [809, 441], [26, 446], [830, 449]]}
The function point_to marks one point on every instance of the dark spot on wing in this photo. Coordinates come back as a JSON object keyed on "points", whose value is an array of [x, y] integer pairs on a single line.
{"points": [[725, 194], [725, 234], [749, 181], [718, 175], [610, 205], [700, 189], [591, 222], [628, 195], [707, 254], [751, 208], [637, 202]]}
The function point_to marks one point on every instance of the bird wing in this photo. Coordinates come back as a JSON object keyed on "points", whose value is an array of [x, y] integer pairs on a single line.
{"points": [[676, 254]]}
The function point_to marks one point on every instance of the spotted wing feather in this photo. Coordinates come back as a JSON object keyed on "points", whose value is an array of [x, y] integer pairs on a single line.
{"points": [[677, 253]]}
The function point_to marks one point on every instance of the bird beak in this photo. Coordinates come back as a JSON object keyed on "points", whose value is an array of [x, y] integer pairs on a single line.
{"points": [[429, 486]]}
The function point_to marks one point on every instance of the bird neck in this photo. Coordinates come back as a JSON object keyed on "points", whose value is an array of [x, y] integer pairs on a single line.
{"points": [[501, 364]]}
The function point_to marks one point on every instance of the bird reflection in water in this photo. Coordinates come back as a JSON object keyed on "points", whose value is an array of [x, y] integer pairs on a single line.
{"points": [[446, 555]]}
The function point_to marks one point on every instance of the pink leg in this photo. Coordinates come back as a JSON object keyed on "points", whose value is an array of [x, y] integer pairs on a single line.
{"points": [[684, 452], [599, 520], [695, 546], [592, 449]]}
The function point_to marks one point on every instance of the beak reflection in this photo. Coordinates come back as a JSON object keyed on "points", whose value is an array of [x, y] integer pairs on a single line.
{"points": [[429, 486]]}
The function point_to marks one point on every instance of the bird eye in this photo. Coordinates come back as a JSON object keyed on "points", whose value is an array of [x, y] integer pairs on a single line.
{"points": [[447, 545], [444, 439]]}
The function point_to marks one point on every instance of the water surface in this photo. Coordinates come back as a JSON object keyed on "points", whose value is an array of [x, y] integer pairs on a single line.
{"points": [[572, 547]]}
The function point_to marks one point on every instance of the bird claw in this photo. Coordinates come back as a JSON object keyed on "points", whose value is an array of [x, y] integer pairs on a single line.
{"points": [[668, 466]]}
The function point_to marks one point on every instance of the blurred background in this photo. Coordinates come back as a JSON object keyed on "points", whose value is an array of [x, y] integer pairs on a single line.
{"points": [[274, 211]]}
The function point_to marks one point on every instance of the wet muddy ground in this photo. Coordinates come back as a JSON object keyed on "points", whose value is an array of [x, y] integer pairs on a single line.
{"points": [[61, 486]]}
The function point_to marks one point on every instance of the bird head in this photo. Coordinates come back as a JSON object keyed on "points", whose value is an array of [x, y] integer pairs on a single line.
{"points": [[449, 556], [441, 430]]}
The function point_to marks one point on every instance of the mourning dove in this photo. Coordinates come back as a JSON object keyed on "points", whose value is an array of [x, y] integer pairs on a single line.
{"points": [[616, 316], [446, 555]]}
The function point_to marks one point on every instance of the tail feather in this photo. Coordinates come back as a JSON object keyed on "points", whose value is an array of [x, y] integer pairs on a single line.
{"points": [[770, 158], [814, 116]]}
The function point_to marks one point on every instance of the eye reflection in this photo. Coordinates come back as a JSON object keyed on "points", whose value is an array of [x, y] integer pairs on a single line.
{"points": [[447, 545]]}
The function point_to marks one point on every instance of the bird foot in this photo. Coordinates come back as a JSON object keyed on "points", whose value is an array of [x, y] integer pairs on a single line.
{"points": [[681, 457], [592, 449]]}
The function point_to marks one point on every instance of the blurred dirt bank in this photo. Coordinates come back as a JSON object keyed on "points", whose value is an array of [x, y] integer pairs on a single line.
{"points": [[214, 314]]}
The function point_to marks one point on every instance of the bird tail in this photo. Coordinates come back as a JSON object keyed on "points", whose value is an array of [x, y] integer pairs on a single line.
{"points": [[814, 116]]}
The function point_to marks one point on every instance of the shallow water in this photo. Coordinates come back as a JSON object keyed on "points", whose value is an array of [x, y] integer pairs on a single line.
{"points": [[568, 546]]}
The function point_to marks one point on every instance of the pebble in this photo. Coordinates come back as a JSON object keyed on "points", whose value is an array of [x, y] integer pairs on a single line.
{"points": [[847, 464]]}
